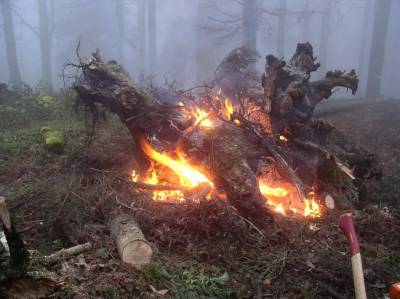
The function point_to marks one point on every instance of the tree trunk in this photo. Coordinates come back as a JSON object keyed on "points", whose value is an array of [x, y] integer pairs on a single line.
{"points": [[45, 44], [324, 38], [141, 29], [306, 22], [119, 11], [9, 37], [132, 246], [281, 28], [250, 26], [203, 69], [152, 45], [378, 43], [362, 61]]}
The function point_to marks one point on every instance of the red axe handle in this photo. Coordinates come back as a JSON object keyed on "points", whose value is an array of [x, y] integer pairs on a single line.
{"points": [[346, 224]]}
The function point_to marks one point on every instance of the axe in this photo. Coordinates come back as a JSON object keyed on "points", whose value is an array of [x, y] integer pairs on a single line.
{"points": [[346, 224]]}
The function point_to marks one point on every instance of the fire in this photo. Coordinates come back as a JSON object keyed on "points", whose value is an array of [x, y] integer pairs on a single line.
{"points": [[283, 138], [312, 208], [279, 209], [202, 118], [267, 190], [228, 108], [286, 199], [189, 176]]}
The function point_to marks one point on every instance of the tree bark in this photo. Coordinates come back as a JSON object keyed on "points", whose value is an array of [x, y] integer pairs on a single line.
{"points": [[132, 246], [45, 43], [378, 45], [11, 48], [281, 28]]}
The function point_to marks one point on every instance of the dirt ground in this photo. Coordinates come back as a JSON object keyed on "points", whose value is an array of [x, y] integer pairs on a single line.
{"points": [[201, 251]]}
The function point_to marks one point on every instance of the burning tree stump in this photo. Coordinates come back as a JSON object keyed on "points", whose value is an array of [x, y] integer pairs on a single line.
{"points": [[283, 135]]}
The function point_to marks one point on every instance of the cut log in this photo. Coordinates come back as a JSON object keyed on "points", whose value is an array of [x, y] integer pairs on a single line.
{"points": [[132, 246]]}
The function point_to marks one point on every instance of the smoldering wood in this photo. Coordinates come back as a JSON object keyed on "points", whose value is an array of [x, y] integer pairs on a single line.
{"points": [[132, 246]]}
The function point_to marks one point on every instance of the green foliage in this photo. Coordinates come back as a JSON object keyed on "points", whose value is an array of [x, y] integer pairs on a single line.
{"points": [[189, 282], [22, 108], [54, 140], [57, 245], [109, 293], [45, 101]]}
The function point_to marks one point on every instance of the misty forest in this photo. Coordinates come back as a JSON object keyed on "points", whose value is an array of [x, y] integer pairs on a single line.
{"points": [[199, 149]]}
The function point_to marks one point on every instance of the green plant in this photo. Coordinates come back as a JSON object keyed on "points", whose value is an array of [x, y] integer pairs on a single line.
{"points": [[57, 244]]}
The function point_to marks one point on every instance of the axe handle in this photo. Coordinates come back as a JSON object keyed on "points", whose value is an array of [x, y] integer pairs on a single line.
{"points": [[358, 276], [346, 224]]}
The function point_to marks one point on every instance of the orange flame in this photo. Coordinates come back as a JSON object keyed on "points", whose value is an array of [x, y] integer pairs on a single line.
{"points": [[202, 118], [287, 200], [189, 176], [283, 138], [279, 209], [228, 108]]}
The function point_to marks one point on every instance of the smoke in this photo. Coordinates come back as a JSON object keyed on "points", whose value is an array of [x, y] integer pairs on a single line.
{"points": [[192, 36]]}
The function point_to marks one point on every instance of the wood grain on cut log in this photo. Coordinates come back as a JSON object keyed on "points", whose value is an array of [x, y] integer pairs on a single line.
{"points": [[131, 243]]}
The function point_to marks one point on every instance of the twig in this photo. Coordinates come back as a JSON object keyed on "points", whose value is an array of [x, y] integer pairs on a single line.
{"points": [[65, 253], [251, 224]]}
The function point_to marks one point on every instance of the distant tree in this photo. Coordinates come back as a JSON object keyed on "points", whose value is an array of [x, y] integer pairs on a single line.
{"points": [[152, 35], [45, 36], [378, 45], [325, 35], [256, 16], [119, 13], [250, 24], [306, 21], [281, 28], [9, 38], [141, 36], [204, 66], [362, 59]]}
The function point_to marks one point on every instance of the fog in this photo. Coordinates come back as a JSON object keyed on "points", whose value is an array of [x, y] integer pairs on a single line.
{"points": [[184, 40]]}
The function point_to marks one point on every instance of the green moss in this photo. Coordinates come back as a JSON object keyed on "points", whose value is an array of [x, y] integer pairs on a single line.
{"points": [[54, 140], [45, 101]]}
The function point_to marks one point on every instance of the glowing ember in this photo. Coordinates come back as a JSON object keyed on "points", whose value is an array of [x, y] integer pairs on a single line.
{"points": [[228, 109], [286, 199], [267, 190], [189, 176], [283, 138], [279, 209], [312, 208], [201, 118]]}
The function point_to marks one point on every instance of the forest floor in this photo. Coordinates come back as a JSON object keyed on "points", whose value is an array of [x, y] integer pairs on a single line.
{"points": [[204, 250]]}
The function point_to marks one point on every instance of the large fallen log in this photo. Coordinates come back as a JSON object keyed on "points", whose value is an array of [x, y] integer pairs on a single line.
{"points": [[287, 101]]}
